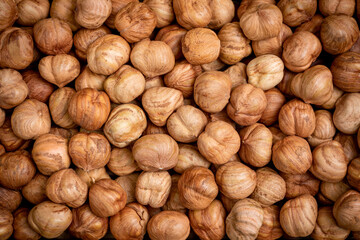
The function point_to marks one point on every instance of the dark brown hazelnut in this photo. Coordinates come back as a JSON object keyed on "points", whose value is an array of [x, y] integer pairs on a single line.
{"points": [[353, 173], [172, 36], [9, 199], [297, 12], [346, 71], [39, 88], [22, 229], [6, 223], [299, 184], [35, 191]]}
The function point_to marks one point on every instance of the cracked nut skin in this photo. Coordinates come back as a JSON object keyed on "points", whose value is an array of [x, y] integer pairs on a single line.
{"points": [[9, 14], [13, 89], [6, 223], [299, 184], [92, 13], [22, 229], [346, 210], [346, 116], [59, 104], [35, 191], [297, 12], [10, 199], [193, 13]]}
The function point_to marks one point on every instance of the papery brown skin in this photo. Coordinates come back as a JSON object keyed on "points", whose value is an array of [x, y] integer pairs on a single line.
{"points": [[122, 162], [31, 11], [340, 27], [245, 4], [16, 48], [270, 228], [300, 50], [34, 191], [173, 201], [346, 71], [349, 144], [164, 11], [247, 104], [216, 65], [222, 116], [189, 156], [346, 116], [64, 10], [22, 230], [53, 36], [299, 184], [332, 7], [128, 183], [313, 25], [117, 5], [2, 117], [356, 47], [90, 177], [86, 225], [169, 225], [106, 198], [88, 79], [130, 222], [336, 94], [9, 140], [154, 82], [275, 100], [193, 13], [324, 129], [277, 134], [353, 173], [8, 15], [58, 106], [10, 199], [49, 219], [237, 74], [6, 221], [222, 13], [298, 216], [39, 89], [297, 12], [92, 14], [332, 191], [244, 220], [346, 210], [13, 89], [284, 85], [172, 36]]}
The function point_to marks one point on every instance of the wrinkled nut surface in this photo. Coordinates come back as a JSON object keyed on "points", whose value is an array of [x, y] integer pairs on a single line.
{"points": [[122, 162], [347, 209], [6, 223], [39, 88], [172, 36], [8, 15], [347, 113], [92, 176], [324, 130], [275, 100], [332, 7], [297, 12], [30, 11], [128, 183], [353, 174], [332, 191], [35, 190], [92, 13], [299, 184], [13, 89], [193, 13], [349, 144], [237, 74], [222, 13], [59, 104], [22, 229], [64, 10], [270, 228], [88, 79], [189, 156], [164, 11], [313, 25], [9, 199]]}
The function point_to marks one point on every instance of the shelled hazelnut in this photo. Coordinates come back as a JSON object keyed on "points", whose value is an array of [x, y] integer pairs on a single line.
{"points": [[270, 228], [58, 105], [9, 14], [349, 144], [172, 36], [39, 89], [275, 100], [237, 74], [332, 191], [337, 7], [92, 13], [22, 229], [88, 79], [64, 10], [297, 12], [313, 25], [13, 89], [92, 176], [222, 12], [6, 223], [347, 209], [122, 162], [193, 13], [324, 128], [128, 183], [347, 113], [31, 11], [164, 11], [345, 69], [353, 175], [189, 156], [35, 191], [10, 199], [173, 201], [299, 184]]}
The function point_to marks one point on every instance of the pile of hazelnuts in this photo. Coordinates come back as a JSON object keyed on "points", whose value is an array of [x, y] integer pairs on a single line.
{"points": [[179, 119]]}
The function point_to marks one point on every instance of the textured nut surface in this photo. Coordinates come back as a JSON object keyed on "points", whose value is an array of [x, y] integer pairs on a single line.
{"points": [[347, 210], [270, 228], [39, 89], [128, 183], [297, 12], [59, 104], [347, 113], [346, 71], [8, 15], [189, 156], [324, 129], [88, 79], [35, 191], [193, 13], [275, 100], [64, 10], [32, 11], [353, 173], [122, 162], [10, 199], [13, 89], [164, 11], [299, 184], [92, 13], [22, 229], [332, 7], [6, 221]]}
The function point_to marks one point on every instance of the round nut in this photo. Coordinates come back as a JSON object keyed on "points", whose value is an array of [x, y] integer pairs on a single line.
{"points": [[172, 36], [13, 89], [39, 89], [332, 7], [9, 140], [35, 191], [9, 14], [332, 191], [88, 79], [237, 74], [92, 176], [347, 113], [324, 129], [275, 100], [353, 173], [336, 94], [347, 210], [64, 10], [32, 11], [92, 13], [313, 25], [270, 228], [189, 156], [128, 183], [299, 184], [10, 199], [192, 13], [297, 12], [22, 229], [59, 104], [349, 144], [164, 11], [346, 71], [6, 223], [122, 162]]}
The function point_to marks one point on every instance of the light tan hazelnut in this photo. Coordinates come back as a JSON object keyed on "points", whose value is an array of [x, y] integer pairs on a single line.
{"points": [[50, 153], [173, 201], [349, 144], [244, 220], [353, 173], [237, 74], [346, 69], [9, 140], [22, 229], [346, 210], [298, 216], [275, 100], [59, 104], [247, 104], [116, 50], [6, 223], [192, 13], [64, 10], [88, 79], [130, 222], [336, 94], [13, 89], [189, 156], [324, 129], [92, 13], [313, 25], [90, 177], [200, 46], [222, 12], [261, 21], [227, 202], [332, 7], [163, 10], [245, 4], [50, 219], [128, 183], [299, 184], [338, 27], [300, 50], [117, 5], [125, 124], [172, 36], [270, 228], [347, 113], [39, 89], [9, 14], [31, 11], [34, 191], [10, 199], [122, 162], [154, 82], [292, 155], [297, 12]]}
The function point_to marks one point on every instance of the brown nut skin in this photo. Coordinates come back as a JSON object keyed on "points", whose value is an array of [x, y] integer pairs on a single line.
{"points": [[135, 21], [244, 220], [22, 230], [6, 223], [275, 100], [247, 104], [106, 198], [201, 46], [256, 144], [92, 176], [50, 219], [53, 36], [270, 228], [297, 118], [122, 162], [338, 27], [88, 79], [164, 11], [92, 14], [297, 12], [193, 13], [130, 222], [346, 210], [31, 11], [154, 82], [284, 85], [39, 89], [292, 155], [128, 183], [219, 142], [64, 10], [173, 202], [172, 36], [236, 180], [332, 191], [116, 50], [326, 227], [347, 113], [9, 14], [353, 173], [298, 216], [209, 223], [9, 140], [86, 225], [2, 118], [125, 124], [300, 50], [222, 13], [313, 86], [189, 156], [346, 71], [59, 105], [336, 94], [152, 58], [50, 153], [337, 7], [13, 89], [324, 129], [16, 48], [117, 5], [237, 74], [35, 191], [349, 144], [261, 21], [299, 184], [9, 199], [313, 25], [89, 108], [216, 65]]}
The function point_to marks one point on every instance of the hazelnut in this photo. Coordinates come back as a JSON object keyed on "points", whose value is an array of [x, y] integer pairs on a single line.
{"points": [[270, 228], [247, 104], [135, 21], [200, 46], [245, 4], [58, 104], [197, 188], [297, 118], [2, 117], [346, 71], [90, 177], [347, 210], [16, 48], [85, 37], [284, 85], [299, 184], [50, 219], [92, 13], [356, 46], [216, 65], [122, 162], [22, 230], [313, 25], [60, 69], [9, 199], [223, 116], [192, 13], [9, 14], [50, 153], [106, 198], [189, 156], [347, 113], [88, 79], [6, 223], [64, 10], [353, 173], [261, 21], [39, 89], [275, 100], [53, 36], [244, 220], [86, 225], [234, 46], [298, 216], [300, 50], [332, 191], [335, 95], [130, 222], [66, 133], [154, 82], [152, 58], [209, 223], [332, 7], [173, 201], [324, 128], [222, 12], [124, 85], [277, 134], [236, 180], [349, 144], [237, 74], [227, 202], [35, 191], [292, 155], [297, 12], [163, 10], [116, 50], [172, 36], [338, 27], [89, 108], [13, 89], [32, 11], [10, 141], [128, 183], [117, 5]]}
